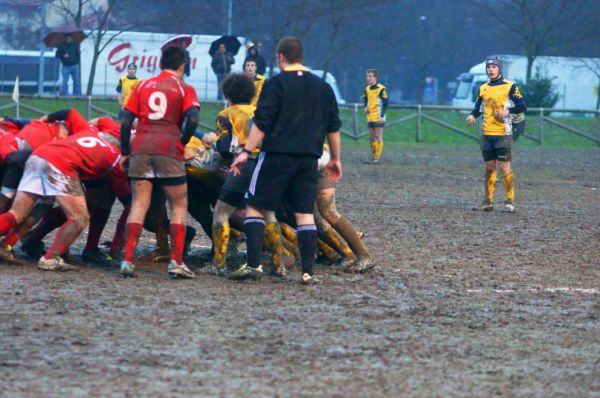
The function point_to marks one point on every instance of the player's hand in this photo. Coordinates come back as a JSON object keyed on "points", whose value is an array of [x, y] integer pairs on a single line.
{"points": [[236, 166], [470, 120], [381, 120], [44, 118], [366, 110], [501, 114], [124, 162], [189, 153], [334, 169]]}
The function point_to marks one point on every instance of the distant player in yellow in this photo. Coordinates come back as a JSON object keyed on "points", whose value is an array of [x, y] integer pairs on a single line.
{"points": [[500, 99], [125, 87], [376, 102], [259, 80]]}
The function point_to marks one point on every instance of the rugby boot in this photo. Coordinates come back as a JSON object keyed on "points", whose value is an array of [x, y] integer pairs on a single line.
{"points": [[94, 256], [361, 265], [509, 207], [245, 272], [127, 269], [308, 279], [486, 205], [54, 264], [215, 270], [179, 271], [33, 248], [6, 254]]}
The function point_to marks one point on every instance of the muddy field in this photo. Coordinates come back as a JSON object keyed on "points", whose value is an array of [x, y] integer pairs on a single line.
{"points": [[463, 303]]}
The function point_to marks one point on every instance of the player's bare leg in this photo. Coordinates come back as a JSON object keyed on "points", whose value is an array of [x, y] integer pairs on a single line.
{"points": [[490, 185], [141, 194], [509, 185], [178, 203], [78, 218], [328, 209]]}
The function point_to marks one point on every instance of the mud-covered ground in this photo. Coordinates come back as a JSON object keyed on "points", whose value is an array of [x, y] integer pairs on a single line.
{"points": [[463, 303]]}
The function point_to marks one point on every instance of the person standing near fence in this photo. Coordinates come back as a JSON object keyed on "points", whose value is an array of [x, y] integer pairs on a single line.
{"points": [[69, 55], [376, 102], [499, 98], [221, 65], [296, 112], [125, 87]]}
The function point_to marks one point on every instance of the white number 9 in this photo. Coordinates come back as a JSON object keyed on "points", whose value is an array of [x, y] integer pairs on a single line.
{"points": [[158, 103], [90, 142]]}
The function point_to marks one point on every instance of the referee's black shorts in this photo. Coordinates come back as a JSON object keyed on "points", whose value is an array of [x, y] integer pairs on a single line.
{"points": [[278, 175]]}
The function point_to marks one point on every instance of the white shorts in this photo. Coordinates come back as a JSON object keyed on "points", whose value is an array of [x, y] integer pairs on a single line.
{"points": [[42, 178]]}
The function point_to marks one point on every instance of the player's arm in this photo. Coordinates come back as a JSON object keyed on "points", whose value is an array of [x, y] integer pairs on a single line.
{"points": [[254, 139], [334, 166], [120, 92], [190, 122], [384, 101], [476, 110], [365, 102], [517, 98], [126, 125], [74, 121]]}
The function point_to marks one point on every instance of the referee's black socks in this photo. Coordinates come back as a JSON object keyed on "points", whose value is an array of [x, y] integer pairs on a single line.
{"points": [[307, 243], [254, 228]]}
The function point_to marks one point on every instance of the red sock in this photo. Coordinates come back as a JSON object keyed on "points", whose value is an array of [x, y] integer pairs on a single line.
{"points": [[62, 240], [12, 238], [132, 234], [119, 239], [177, 232], [7, 221]]}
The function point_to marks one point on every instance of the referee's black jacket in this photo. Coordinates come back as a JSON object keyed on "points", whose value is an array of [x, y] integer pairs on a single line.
{"points": [[296, 110]]}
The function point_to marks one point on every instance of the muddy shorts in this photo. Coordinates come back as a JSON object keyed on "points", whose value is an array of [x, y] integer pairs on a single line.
{"points": [[164, 170], [235, 187], [374, 125], [42, 178], [496, 147]]}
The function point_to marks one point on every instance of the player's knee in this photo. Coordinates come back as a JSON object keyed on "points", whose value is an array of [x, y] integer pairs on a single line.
{"points": [[82, 220]]}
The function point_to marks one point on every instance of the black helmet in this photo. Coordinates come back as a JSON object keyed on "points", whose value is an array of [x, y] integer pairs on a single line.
{"points": [[494, 60]]}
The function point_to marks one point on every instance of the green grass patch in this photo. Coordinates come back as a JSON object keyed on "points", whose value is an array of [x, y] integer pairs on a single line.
{"points": [[405, 132]]}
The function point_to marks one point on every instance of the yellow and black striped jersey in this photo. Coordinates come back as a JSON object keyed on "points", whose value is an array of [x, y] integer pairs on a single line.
{"points": [[494, 96], [376, 101], [126, 86], [259, 81], [233, 128]]}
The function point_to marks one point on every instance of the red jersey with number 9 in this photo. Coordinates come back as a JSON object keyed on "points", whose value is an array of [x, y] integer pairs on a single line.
{"points": [[84, 155], [160, 104]]}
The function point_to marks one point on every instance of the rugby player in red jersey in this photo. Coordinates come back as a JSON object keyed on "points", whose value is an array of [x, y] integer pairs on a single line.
{"points": [[167, 110], [57, 169]]}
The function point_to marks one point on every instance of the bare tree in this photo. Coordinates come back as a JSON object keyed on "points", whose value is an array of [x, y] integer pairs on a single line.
{"points": [[539, 26]]}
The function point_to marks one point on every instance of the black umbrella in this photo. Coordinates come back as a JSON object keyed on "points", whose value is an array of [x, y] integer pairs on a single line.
{"points": [[232, 45], [57, 35]]}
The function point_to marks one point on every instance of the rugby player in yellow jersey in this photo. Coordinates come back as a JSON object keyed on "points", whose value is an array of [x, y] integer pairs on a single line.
{"points": [[125, 87], [500, 98], [259, 80], [376, 102]]}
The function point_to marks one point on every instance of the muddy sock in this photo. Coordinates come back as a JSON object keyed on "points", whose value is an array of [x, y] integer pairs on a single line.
{"points": [[254, 228], [346, 229], [66, 235], [290, 247], [132, 234], [289, 233], [307, 243], [18, 231], [335, 241], [7, 222], [118, 241], [52, 220], [273, 242], [509, 186], [490, 185], [220, 233], [177, 232], [327, 251], [374, 149]]}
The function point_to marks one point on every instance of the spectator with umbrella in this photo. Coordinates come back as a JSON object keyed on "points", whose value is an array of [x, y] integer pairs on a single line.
{"points": [[68, 54], [222, 52]]}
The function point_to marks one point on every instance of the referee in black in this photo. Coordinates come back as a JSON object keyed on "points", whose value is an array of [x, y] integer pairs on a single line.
{"points": [[295, 113]]}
